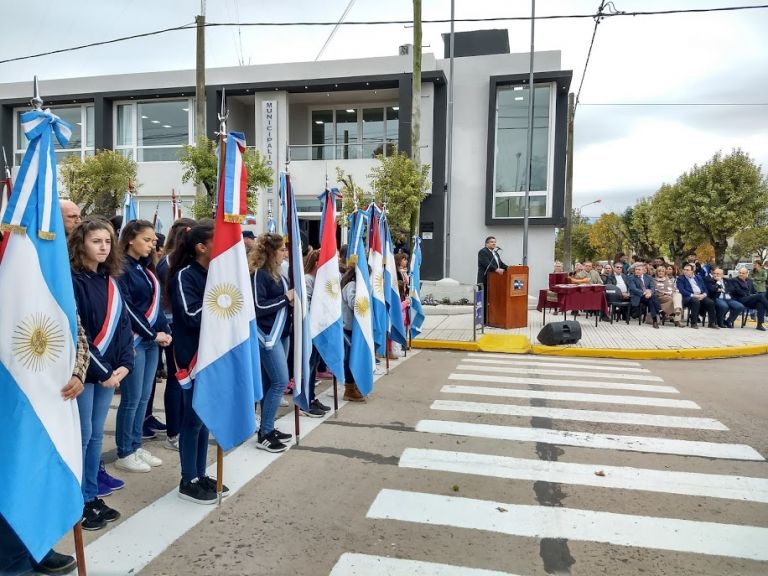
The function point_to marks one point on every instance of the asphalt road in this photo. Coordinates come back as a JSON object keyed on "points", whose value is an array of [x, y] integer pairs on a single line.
{"points": [[467, 465]]}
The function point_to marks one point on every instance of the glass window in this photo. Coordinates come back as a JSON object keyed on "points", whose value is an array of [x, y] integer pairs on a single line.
{"points": [[393, 129], [163, 123], [373, 132], [322, 135], [90, 127], [74, 115], [346, 134], [511, 161], [124, 125]]}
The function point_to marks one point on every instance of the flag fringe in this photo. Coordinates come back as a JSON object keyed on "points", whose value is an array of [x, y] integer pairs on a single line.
{"points": [[352, 261], [234, 218], [46, 235], [14, 228]]}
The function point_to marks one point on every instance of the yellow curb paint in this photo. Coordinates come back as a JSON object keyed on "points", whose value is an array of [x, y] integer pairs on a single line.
{"points": [[507, 343], [445, 345]]}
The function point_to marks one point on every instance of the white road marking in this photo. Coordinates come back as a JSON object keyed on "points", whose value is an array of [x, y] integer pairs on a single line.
{"points": [[591, 440], [351, 564], [535, 363], [568, 359], [545, 372], [571, 396], [562, 383], [622, 477], [660, 420], [586, 525]]}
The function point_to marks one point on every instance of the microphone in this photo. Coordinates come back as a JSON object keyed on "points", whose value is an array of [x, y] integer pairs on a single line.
{"points": [[499, 249]]}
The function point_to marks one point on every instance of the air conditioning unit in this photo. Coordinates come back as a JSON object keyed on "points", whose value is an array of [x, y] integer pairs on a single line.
{"points": [[406, 49]]}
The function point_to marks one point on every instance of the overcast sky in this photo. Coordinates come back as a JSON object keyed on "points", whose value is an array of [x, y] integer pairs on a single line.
{"points": [[622, 152]]}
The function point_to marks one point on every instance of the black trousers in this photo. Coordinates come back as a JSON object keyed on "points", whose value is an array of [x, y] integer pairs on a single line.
{"points": [[757, 302], [701, 307]]}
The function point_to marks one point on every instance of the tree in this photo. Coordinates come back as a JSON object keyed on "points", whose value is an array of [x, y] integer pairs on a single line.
{"points": [[403, 185], [98, 183], [581, 248], [725, 195], [667, 222], [353, 195], [751, 241], [200, 166], [607, 236], [638, 223]]}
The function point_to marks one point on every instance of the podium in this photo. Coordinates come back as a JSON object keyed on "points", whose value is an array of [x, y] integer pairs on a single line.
{"points": [[508, 298]]}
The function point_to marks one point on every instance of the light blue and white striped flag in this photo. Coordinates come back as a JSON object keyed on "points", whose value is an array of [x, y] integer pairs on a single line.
{"points": [[416, 311]]}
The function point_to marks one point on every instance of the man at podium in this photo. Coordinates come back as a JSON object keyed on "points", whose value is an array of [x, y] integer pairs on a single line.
{"points": [[488, 262]]}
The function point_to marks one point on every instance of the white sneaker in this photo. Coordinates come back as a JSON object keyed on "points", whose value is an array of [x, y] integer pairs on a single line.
{"points": [[132, 463], [172, 443], [146, 457], [284, 403]]}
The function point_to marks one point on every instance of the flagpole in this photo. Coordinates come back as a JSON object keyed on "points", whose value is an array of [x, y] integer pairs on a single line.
{"points": [[79, 549], [291, 285]]}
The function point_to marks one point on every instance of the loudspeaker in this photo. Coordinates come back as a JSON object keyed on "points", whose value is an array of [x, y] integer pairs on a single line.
{"points": [[557, 333]]}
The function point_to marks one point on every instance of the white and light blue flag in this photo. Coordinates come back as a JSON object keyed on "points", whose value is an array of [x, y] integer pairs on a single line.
{"points": [[376, 262], [416, 311], [129, 210], [362, 360], [39, 431], [394, 307]]}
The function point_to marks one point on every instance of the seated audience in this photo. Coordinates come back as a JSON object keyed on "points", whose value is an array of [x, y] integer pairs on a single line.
{"points": [[667, 295], [617, 285], [743, 290], [718, 289], [642, 295], [695, 298], [594, 275], [606, 272], [579, 276], [558, 269]]}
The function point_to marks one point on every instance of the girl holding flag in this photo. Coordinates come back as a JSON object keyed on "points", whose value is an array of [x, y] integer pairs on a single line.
{"points": [[95, 263], [187, 275], [141, 291]]}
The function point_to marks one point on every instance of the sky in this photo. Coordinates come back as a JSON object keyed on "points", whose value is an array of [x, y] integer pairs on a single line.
{"points": [[625, 147]]}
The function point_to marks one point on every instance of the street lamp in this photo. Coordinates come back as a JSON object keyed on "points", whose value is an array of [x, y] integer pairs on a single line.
{"points": [[578, 210]]}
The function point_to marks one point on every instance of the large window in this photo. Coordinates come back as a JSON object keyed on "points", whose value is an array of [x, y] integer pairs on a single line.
{"points": [[350, 133], [153, 131], [511, 160], [80, 117]]}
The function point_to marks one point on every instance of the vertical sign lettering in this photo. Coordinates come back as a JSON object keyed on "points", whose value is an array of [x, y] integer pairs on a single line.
{"points": [[269, 138]]}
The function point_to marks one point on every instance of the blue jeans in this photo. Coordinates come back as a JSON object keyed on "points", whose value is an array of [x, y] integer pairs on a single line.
{"points": [[193, 441], [93, 404], [14, 557], [722, 306], [135, 390], [174, 402], [274, 376]]}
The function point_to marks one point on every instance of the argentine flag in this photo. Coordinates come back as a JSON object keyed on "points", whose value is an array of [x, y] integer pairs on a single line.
{"points": [[416, 312], [228, 371], [376, 262], [39, 431], [302, 339], [362, 360], [394, 310], [129, 210], [325, 325]]}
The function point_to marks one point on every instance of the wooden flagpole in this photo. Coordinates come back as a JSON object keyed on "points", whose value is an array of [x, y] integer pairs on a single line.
{"points": [[289, 233], [77, 530], [219, 473], [223, 114]]}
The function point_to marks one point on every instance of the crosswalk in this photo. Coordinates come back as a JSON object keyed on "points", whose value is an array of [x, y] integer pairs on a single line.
{"points": [[482, 401]]}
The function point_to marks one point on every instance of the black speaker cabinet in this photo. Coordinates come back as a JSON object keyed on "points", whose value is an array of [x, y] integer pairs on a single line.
{"points": [[557, 333]]}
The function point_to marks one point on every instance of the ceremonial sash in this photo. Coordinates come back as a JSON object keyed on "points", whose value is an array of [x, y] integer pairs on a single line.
{"points": [[184, 375], [112, 319], [154, 306], [267, 341]]}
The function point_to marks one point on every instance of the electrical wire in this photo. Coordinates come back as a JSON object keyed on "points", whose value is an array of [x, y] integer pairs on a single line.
{"points": [[191, 26], [598, 19]]}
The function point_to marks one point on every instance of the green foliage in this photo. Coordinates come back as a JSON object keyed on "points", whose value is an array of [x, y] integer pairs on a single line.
{"points": [[607, 236], [402, 185], [668, 217], [638, 226], [581, 248], [98, 183], [722, 197], [199, 166], [751, 241], [351, 190]]}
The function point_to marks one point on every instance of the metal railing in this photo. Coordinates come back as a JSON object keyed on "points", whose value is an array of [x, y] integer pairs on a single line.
{"points": [[352, 151]]}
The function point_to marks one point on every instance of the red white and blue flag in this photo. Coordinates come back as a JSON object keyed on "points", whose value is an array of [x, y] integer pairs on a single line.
{"points": [[228, 371], [325, 324], [40, 443]]}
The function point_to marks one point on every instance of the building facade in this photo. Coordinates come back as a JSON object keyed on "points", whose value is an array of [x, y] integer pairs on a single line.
{"points": [[315, 117]]}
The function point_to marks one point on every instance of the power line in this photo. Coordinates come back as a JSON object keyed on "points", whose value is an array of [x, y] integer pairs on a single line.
{"points": [[191, 26], [598, 19]]}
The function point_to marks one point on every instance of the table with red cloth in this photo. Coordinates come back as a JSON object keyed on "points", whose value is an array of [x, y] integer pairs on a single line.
{"points": [[575, 298]]}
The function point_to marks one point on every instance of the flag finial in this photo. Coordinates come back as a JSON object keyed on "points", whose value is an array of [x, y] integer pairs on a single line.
{"points": [[223, 114], [36, 102]]}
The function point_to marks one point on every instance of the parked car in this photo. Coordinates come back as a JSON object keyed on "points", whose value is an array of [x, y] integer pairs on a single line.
{"points": [[735, 272]]}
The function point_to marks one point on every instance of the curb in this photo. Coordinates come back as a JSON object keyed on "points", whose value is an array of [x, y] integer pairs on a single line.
{"points": [[518, 344]]}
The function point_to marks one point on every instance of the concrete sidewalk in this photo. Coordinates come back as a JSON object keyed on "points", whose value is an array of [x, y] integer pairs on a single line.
{"points": [[454, 330]]}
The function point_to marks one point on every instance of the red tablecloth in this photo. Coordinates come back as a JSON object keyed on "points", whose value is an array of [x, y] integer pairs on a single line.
{"points": [[575, 298]]}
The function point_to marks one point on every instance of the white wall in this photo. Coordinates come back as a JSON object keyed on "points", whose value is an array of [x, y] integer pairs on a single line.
{"points": [[470, 149]]}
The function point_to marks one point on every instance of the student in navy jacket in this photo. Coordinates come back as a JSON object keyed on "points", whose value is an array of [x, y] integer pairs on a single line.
{"points": [[141, 292], [694, 294], [273, 301], [187, 274], [95, 261]]}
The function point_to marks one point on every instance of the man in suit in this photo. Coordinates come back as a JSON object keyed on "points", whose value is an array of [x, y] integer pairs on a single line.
{"points": [[694, 293], [642, 294], [743, 290], [719, 290], [617, 284], [488, 262]]}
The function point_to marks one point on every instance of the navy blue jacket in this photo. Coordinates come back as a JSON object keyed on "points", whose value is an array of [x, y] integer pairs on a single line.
{"points": [[91, 296], [637, 286], [270, 298], [742, 289], [186, 290], [137, 290], [684, 287]]}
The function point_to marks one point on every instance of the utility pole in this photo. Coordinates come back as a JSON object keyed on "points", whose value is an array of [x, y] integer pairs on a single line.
{"points": [[449, 172], [568, 208], [200, 75], [416, 103], [529, 166]]}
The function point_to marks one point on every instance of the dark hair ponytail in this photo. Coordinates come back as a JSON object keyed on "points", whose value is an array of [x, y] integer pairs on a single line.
{"points": [[185, 252]]}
